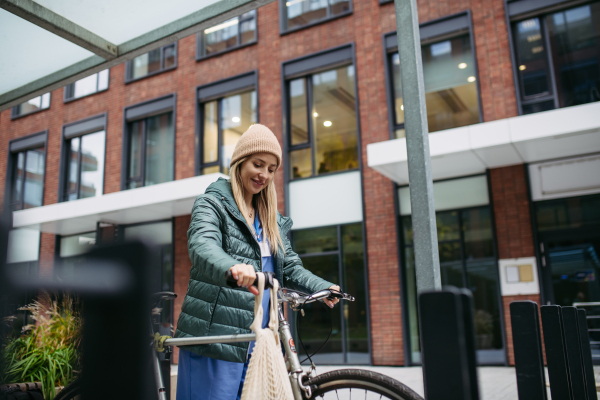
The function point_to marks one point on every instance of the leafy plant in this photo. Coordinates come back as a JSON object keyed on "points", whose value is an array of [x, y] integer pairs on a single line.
{"points": [[48, 351]]}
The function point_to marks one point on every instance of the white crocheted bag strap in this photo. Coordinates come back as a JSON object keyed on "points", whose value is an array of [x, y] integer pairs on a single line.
{"points": [[258, 310], [274, 314]]}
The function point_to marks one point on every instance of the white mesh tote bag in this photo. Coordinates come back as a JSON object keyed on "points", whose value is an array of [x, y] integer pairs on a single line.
{"points": [[266, 377]]}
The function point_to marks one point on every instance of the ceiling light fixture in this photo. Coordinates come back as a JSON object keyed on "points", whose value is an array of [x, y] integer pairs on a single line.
{"points": [[522, 67], [235, 119], [462, 65], [315, 114], [327, 123], [471, 79]]}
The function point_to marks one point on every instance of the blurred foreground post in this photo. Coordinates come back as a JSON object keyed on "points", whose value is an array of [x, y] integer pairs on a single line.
{"points": [[427, 263]]}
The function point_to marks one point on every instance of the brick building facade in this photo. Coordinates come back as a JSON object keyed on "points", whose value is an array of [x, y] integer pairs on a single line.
{"points": [[507, 186]]}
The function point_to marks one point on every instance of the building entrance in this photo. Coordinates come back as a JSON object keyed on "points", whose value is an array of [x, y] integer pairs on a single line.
{"points": [[569, 240]]}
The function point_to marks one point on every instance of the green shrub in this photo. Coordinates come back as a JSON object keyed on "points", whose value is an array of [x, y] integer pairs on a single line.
{"points": [[48, 351]]}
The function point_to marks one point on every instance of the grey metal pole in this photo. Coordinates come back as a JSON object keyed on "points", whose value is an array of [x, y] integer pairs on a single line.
{"points": [[427, 261]]}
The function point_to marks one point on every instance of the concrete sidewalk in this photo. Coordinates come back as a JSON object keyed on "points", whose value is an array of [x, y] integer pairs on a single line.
{"points": [[495, 383]]}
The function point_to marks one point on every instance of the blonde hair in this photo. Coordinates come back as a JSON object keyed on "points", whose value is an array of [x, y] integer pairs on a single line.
{"points": [[265, 201]]}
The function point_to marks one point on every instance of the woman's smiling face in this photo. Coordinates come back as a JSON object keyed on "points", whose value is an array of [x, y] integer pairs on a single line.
{"points": [[258, 171]]}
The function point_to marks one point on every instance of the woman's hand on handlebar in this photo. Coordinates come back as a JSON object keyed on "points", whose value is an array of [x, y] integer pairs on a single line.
{"points": [[245, 276], [333, 302]]}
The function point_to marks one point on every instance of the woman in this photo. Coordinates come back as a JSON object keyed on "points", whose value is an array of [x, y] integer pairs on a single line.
{"points": [[235, 226]]}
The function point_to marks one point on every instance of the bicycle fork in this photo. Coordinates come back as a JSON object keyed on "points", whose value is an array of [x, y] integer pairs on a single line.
{"points": [[293, 362], [160, 385]]}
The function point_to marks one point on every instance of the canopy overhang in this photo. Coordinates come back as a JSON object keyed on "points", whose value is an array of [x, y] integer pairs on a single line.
{"points": [[48, 44], [150, 203], [469, 150]]}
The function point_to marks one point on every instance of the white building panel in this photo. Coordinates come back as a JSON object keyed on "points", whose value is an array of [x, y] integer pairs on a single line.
{"points": [[565, 178], [327, 200]]}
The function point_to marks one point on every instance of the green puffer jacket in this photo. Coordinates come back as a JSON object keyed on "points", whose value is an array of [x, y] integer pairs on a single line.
{"points": [[218, 238]]}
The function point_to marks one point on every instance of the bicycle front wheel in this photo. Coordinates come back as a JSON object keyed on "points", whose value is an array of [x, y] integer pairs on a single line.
{"points": [[71, 391], [358, 384]]}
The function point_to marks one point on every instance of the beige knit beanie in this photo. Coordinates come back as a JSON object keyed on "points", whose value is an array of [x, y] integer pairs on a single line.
{"points": [[257, 139]]}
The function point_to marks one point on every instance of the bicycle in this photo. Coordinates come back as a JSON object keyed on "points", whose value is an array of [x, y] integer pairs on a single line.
{"points": [[305, 384]]}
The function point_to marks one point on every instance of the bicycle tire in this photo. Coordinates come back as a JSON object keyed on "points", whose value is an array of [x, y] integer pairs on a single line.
{"points": [[70, 391], [365, 382]]}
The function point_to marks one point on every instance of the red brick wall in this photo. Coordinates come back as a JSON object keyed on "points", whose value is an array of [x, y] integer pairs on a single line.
{"points": [[506, 300], [181, 269], [365, 28], [514, 233]]}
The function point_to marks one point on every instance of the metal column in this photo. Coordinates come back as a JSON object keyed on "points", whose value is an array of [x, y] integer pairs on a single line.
{"points": [[427, 261]]}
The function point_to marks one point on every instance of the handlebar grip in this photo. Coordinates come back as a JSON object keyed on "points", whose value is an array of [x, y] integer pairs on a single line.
{"points": [[232, 282]]}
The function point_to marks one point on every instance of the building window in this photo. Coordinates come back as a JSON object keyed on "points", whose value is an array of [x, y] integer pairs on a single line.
{"points": [[231, 34], [336, 254], [467, 259], [227, 109], [72, 251], [557, 58], [36, 104], [449, 74], [85, 166], [149, 148], [28, 178], [323, 135], [152, 63], [297, 14], [86, 86]]}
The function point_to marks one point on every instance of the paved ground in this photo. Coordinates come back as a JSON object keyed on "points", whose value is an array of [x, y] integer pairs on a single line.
{"points": [[495, 383]]}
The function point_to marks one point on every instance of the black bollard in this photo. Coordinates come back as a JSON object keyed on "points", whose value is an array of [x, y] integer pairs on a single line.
{"points": [[573, 346], [527, 343], [448, 345], [556, 357], [586, 356]]}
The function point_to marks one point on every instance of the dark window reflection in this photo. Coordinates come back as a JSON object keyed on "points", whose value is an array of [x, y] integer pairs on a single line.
{"points": [[322, 255], [450, 85], [229, 34], [151, 151], [36, 104], [85, 166], [153, 62], [465, 243], [305, 12], [570, 41], [28, 179]]}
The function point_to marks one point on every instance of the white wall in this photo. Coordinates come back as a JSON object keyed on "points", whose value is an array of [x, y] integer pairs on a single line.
{"points": [[327, 200], [23, 245]]}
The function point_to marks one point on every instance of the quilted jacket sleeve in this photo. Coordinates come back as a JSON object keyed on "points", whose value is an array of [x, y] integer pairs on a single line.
{"points": [[295, 276], [209, 262]]}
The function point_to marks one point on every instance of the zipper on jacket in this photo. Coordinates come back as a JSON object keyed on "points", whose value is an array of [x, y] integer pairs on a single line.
{"points": [[247, 226]]}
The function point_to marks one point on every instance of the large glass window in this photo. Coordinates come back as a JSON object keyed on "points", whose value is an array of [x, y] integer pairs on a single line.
{"points": [[30, 106], [335, 253], [558, 58], [151, 151], [323, 134], [466, 251], [85, 169], [451, 93], [299, 13], [28, 178], [153, 62], [224, 121], [228, 35], [72, 252], [88, 85]]}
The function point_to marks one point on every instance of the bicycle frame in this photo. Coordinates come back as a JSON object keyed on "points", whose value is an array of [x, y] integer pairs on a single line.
{"points": [[295, 371]]}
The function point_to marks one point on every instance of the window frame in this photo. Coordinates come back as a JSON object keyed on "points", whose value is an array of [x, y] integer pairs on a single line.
{"points": [[304, 67], [16, 146], [217, 91], [70, 88], [129, 64], [13, 109], [141, 111], [283, 18], [339, 253], [448, 27], [519, 11], [200, 44], [78, 129], [401, 243]]}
